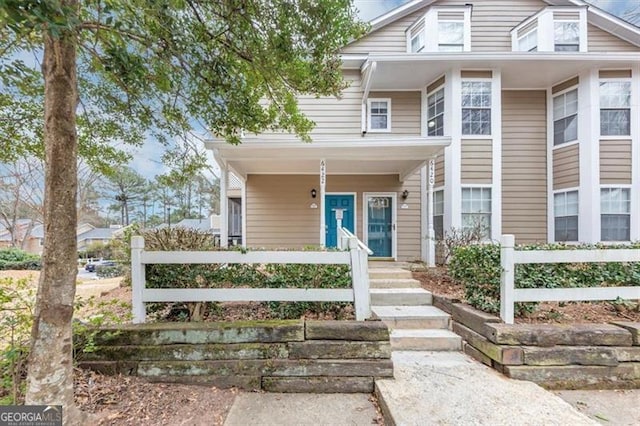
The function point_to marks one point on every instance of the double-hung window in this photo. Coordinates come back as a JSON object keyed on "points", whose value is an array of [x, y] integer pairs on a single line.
{"points": [[615, 214], [476, 108], [379, 119], [438, 214], [565, 214], [476, 211], [435, 113], [615, 104], [566, 36], [450, 36], [565, 117], [528, 42]]}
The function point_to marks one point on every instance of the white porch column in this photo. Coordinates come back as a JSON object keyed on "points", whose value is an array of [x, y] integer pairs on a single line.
{"points": [[224, 208], [431, 233], [323, 184]]}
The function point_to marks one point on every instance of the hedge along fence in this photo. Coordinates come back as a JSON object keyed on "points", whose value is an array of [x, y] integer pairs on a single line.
{"points": [[229, 261], [478, 268]]}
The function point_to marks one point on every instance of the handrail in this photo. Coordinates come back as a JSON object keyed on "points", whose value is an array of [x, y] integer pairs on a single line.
{"points": [[361, 245]]}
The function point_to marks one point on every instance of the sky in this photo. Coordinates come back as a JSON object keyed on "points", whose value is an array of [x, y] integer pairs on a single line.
{"points": [[146, 160]]}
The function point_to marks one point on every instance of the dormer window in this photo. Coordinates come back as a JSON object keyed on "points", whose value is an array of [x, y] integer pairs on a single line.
{"points": [[566, 36], [553, 29], [441, 29]]}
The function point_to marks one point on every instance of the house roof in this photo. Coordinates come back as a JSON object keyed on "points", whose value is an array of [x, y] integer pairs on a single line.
{"points": [[595, 16], [97, 234]]}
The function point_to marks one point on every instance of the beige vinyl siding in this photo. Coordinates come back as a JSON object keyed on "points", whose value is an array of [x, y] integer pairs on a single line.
{"points": [[476, 161], [439, 178], [433, 86], [389, 39], [615, 74], [615, 162], [566, 167], [565, 85], [602, 41], [405, 112], [527, 28], [279, 213], [524, 165], [475, 74], [566, 15]]}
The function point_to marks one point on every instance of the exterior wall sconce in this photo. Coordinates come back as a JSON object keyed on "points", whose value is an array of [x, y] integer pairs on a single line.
{"points": [[405, 195], [314, 193]]}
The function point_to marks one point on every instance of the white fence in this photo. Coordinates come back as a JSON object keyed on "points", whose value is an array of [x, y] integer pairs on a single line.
{"points": [[509, 257], [356, 258]]}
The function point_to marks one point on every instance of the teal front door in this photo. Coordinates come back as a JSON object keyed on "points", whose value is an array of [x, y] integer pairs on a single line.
{"points": [[380, 225], [332, 203]]}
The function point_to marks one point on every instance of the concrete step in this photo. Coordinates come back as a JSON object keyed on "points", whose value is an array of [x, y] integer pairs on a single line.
{"points": [[413, 317], [382, 273], [400, 296], [425, 340], [394, 283]]}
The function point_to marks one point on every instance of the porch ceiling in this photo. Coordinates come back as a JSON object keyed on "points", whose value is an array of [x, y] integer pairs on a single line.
{"points": [[389, 156], [530, 70]]}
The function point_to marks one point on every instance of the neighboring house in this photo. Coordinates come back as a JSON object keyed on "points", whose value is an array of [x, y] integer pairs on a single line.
{"points": [[96, 235], [522, 116], [23, 229], [210, 224], [86, 234]]}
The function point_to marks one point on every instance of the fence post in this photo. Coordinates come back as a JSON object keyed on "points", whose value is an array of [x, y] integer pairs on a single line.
{"points": [[137, 280], [507, 276], [364, 273], [360, 290]]}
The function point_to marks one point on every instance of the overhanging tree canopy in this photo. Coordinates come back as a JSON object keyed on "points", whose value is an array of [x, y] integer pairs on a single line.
{"points": [[136, 67]]}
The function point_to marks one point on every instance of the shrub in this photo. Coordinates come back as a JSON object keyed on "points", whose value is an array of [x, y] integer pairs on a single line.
{"points": [[477, 268], [105, 271], [16, 259]]}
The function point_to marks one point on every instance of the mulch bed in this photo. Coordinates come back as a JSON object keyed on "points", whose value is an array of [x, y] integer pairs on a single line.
{"points": [[440, 283]]}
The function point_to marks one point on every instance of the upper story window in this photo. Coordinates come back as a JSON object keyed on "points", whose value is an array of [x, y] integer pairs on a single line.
{"points": [[476, 107], [565, 117], [435, 113], [553, 29], [615, 108], [566, 36], [379, 117], [441, 29]]}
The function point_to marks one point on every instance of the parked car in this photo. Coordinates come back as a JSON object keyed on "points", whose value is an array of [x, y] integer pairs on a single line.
{"points": [[91, 266]]}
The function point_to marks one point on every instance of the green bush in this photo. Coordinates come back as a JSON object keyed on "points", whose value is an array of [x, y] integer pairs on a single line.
{"points": [[16, 259], [477, 268], [104, 271]]}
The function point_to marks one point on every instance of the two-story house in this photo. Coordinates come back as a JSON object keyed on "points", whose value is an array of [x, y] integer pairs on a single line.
{"points": [[522, 116]]}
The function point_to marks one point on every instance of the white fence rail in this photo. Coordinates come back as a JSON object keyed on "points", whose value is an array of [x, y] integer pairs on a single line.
{"points": [[509, 257], [356, 258]]}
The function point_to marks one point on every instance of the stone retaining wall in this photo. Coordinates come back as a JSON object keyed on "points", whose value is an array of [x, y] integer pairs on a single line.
{"points": [[578, 356], [277, 356]]}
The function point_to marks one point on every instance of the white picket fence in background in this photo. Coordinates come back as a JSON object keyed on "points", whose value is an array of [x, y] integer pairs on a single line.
{"points": [[509, 257], [355, 257]]}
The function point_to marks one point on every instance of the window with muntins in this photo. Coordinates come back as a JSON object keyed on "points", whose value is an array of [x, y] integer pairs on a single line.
{"points": [[615, 108], [566, 36], [435, 113], [476, 108], [565, 215], [476, 211], [379, 115], [565, 117], [615, 214], [438, 214]]}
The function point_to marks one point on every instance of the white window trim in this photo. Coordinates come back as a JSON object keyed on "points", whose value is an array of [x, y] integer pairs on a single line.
{"points": [[618, 80], [490, 108], [553, 118], [426, 110], [552, 219], [631, 212], [388, 101]]}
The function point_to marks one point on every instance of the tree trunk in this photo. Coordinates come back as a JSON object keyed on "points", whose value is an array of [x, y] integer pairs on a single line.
{"points": [[50, 376]]}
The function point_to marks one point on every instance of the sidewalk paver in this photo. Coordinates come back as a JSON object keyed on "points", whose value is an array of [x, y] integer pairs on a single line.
{"points": [[449, 388], [301, 409]]}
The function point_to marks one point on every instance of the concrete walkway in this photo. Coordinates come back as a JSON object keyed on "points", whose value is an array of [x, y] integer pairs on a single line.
{"points": [[447, 388]]}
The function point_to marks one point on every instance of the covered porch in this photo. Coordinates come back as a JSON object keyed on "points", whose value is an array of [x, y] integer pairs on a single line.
{"points": [[294, 192]]}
